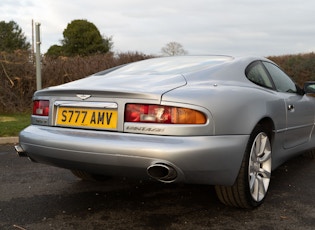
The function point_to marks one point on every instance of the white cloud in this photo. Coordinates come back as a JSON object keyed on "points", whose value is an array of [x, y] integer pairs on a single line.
{"points": [[201, 26]]}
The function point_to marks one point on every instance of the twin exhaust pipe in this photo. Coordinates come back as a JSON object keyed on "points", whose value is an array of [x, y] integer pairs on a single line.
{"points": [[162, 172]]}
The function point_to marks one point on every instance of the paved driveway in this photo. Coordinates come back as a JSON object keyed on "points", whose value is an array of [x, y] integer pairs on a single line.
{"points": [[35, 196]]}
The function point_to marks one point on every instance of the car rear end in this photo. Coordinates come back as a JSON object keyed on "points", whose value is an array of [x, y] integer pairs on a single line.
{"points": [[119, 125]]}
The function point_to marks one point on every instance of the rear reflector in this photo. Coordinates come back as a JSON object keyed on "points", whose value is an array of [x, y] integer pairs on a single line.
{"points": [[146, 113], [41, 108]]}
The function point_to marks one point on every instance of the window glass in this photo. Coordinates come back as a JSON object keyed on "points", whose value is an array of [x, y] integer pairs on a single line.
{"points": [[172, 65], [283, 82], [256, 73]]}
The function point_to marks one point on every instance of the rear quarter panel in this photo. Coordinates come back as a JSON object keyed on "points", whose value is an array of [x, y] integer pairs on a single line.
{"points": [[234, 109]]}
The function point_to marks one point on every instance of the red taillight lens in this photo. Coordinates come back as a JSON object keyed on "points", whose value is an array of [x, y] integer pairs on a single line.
{"points": [[41, 108], [163, 114]]}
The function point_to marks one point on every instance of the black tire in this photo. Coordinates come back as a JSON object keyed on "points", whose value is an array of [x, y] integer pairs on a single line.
{"points": [[251, 185], [83, 175]]}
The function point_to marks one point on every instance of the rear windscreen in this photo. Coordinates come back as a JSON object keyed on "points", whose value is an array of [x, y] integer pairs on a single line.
{"points": [[171, 65]]}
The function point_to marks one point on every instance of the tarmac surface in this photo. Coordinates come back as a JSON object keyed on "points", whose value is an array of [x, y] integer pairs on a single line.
{"points": [[36, 196]]}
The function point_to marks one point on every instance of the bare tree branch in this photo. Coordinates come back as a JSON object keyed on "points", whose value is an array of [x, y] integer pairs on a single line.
{"points": [[173, 49]]}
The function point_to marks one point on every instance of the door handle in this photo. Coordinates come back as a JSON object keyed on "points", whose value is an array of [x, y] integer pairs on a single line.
{"points": [[291, 108]]}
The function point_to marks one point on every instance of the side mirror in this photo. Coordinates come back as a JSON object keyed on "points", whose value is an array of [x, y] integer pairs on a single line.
{"points": [[309, 87]]}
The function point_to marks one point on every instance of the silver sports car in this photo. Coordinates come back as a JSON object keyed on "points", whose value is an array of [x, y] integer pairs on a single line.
{"points": [[217, 120]]}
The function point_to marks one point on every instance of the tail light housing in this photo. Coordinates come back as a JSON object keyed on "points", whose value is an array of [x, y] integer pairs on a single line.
{"points": [[147, 113], [41, 107]]}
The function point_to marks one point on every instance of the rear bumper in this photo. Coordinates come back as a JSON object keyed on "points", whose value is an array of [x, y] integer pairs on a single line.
{"points": [[196, 159]]}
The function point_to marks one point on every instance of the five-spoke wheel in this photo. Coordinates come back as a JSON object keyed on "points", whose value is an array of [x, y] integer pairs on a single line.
{"points": [[259, 169]]}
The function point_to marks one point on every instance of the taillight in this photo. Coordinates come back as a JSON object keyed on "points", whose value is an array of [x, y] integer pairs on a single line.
{"points": [[146, 113], [41, 108]]}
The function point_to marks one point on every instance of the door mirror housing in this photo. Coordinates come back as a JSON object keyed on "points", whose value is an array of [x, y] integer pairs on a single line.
{"points": [[309, 87]]}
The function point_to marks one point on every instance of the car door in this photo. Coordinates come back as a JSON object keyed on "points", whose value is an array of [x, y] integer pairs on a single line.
{"points": [[299, 108]]}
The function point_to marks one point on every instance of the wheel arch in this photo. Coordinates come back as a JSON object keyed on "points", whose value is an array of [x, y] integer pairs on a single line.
{"points": [[242, 193], [267, 124]]}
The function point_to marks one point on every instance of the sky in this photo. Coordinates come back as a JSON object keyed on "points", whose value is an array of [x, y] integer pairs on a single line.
{"points": [[231, 27]]}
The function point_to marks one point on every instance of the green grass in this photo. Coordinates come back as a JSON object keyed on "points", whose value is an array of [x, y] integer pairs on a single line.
{"points": [[12, 124]]}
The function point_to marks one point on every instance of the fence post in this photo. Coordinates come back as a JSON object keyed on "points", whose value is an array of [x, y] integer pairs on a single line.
{"points": [[38, 61]]}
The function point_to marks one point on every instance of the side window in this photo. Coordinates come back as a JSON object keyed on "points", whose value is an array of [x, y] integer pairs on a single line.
{"points": [[283, 82], [256, 73]]}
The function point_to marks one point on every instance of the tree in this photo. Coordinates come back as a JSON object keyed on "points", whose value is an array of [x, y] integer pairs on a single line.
{"points": [[55, 51], [12, 38], [83, 38], [173, 49]]}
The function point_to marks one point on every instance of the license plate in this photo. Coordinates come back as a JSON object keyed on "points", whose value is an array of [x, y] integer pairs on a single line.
{"points": [[87, 118]]}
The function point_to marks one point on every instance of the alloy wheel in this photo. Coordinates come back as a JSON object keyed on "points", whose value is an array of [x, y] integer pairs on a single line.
{"points": [[259, 167]]}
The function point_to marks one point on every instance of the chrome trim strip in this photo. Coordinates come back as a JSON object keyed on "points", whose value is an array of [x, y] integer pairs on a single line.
{"points": [[293, 128], [102, 105]]}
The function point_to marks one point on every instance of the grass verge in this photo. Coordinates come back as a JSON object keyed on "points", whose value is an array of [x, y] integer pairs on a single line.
{"points": [[12, 124]]}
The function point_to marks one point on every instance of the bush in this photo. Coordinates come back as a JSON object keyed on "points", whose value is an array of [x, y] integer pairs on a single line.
{"points": [[299, 67], [17, 81], [18, 74]]}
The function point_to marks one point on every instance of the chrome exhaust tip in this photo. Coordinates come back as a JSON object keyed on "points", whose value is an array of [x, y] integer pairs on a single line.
{"points": [[20, 151], [162, 172]]}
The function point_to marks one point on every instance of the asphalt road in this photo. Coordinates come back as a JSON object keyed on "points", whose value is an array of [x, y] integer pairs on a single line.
{"points": [[35, 196]]}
